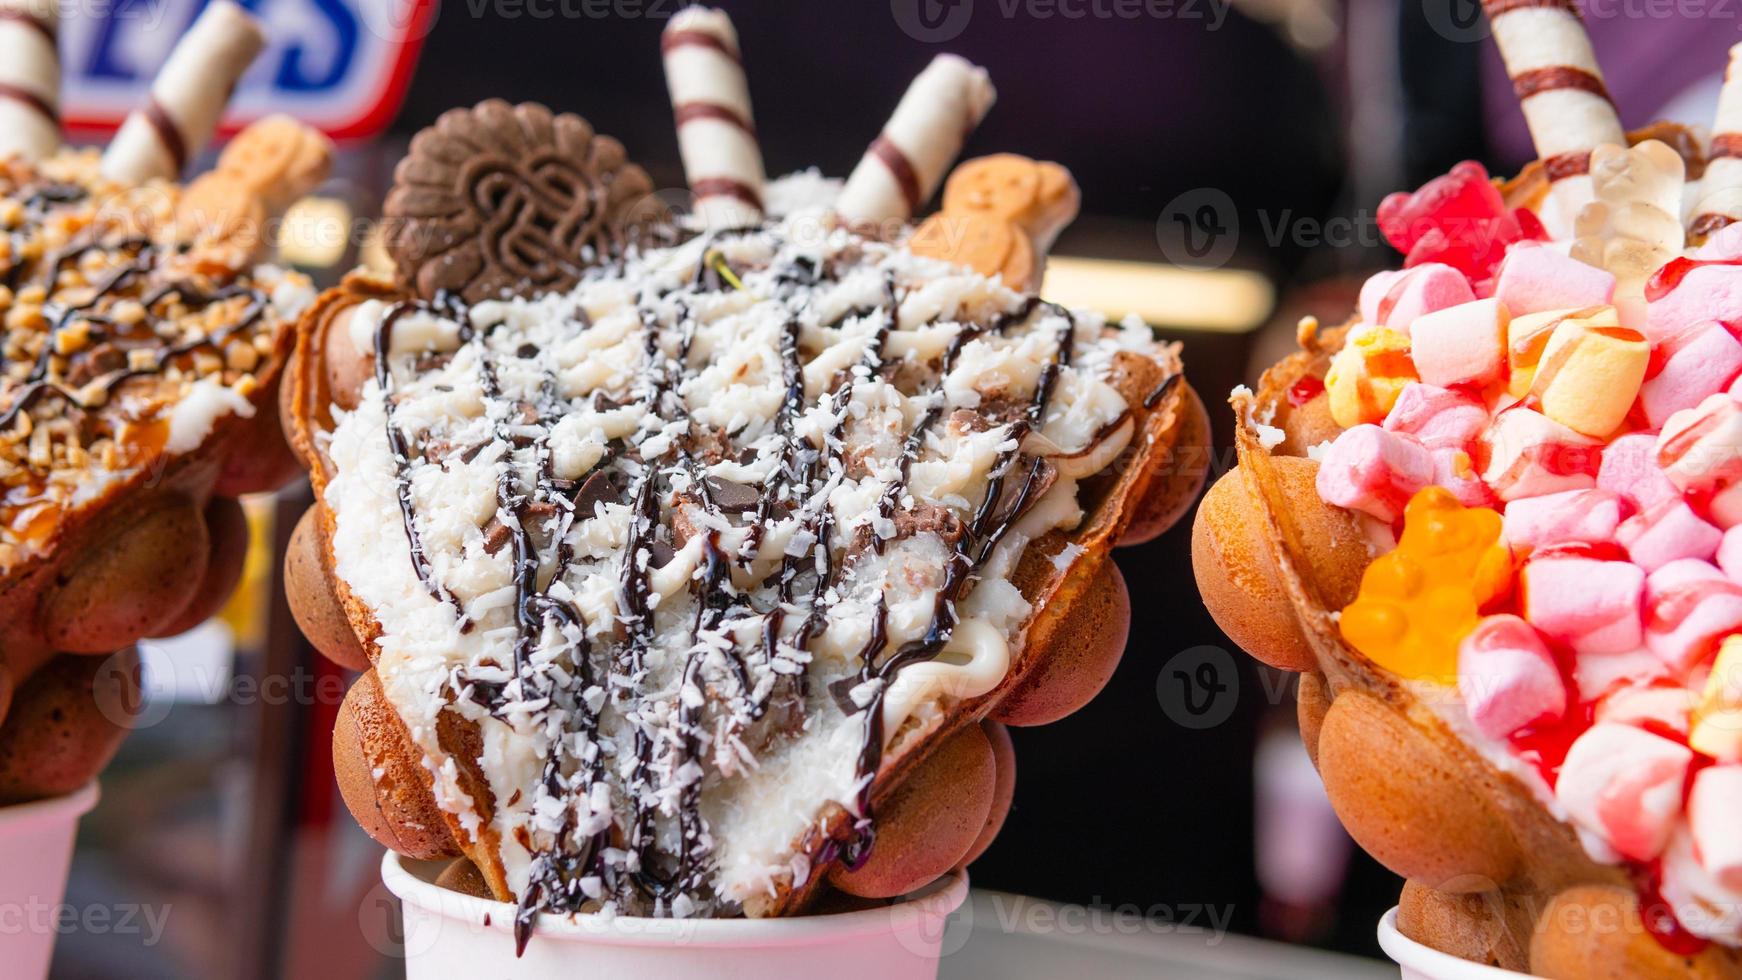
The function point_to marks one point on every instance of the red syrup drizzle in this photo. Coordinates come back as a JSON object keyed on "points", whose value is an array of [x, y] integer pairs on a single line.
{"points": [[1545, 746], [1659, 916], [1671, 273], [1305, 390]]}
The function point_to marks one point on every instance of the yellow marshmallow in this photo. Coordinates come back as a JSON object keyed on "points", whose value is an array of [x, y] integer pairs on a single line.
{"points": [[1590, 371], [1527, 337], [1717, 719], [1367, 375]]}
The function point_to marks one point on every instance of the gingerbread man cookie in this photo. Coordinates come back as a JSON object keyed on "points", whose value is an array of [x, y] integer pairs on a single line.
{"points": [[1000, 215]]}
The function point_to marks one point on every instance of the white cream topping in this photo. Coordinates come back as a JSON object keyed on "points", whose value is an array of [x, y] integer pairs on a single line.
{"points": [[592, 381]]}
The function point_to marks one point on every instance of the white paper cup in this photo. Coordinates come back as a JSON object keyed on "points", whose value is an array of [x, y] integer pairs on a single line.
{"points": [[449, 936], [36, 851], [1420, 962]]}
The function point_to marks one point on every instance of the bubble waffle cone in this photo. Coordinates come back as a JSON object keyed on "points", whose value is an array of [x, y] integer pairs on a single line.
{"points": [[1505, 865], [140, 358], [794, 521]]}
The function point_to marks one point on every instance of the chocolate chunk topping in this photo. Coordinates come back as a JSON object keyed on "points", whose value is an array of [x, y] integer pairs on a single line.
{"points": [[733, 497], [501, 198], [659, 554], [496, 534], [600, 488]]}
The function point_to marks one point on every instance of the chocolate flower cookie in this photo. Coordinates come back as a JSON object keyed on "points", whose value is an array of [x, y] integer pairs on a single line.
{"points": [[505, 198]]}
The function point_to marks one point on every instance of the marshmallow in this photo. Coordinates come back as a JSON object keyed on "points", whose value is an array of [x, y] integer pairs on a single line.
{"points": [[1374, 471], [1367, 375], [1730, 554], [1507, 677], [1463, 344], [1624, 784], [1690, 606], [1713, 808], [1686, 368], [1568, 517], [1590, 372], [1588, 603], [1527, 336], [1456, 472], [1646, 705], [1700, 450], [1630, 469], [1708, 292], [1535, 278], [1667, 532], [1397, 299], [1717, 718], [1439, 417], [1530, 455]]}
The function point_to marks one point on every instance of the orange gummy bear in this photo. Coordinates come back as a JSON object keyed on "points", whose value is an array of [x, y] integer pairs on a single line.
{"points": [[1418, 602]]}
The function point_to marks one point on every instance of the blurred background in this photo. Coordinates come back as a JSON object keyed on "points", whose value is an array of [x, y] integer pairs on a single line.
{"points": [[1230, 156]]}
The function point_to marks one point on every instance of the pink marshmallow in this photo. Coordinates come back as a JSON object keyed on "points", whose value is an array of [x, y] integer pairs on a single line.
{"points": [[1396, 299], [1709, 292], [1700, 450], [1536, 278], [1686, 368], [1713, 808], [1730, 553], [1647, 705], [1722, 245], [1665, 533], [1438, 417], [1530, 454], [1689, 607], [1374, 471], [1507, 677], [1454, 471], [1568, 517], [1464, 344], [1590, 604], [1630, 469], [1624, 784]]}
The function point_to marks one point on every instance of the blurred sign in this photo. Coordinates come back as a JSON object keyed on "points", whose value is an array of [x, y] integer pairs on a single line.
{"points": [[340, 65]]}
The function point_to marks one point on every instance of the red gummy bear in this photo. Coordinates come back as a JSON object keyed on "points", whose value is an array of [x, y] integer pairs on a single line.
{"points": [[1458, 219]]}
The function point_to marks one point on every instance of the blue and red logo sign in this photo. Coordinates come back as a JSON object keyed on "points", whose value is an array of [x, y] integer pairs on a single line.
{"points": [[339, 65]]}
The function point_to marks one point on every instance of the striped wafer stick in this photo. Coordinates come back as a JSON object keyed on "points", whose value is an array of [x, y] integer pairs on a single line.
{"points": [[1555, 76], [716, 134], [904, 164], [29, 78], [1721, 187], [187, 97]]}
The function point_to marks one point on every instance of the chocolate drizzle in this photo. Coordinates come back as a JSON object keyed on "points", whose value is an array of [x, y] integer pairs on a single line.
{"points": [[989, 526], [683, 694], [39, 384]]}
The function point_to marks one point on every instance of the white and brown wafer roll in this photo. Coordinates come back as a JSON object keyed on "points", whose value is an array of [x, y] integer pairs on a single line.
{"points": [[903, 165], [187, 97], [1721, 188], [29, 78], [716, 133], [1555, 76]]}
